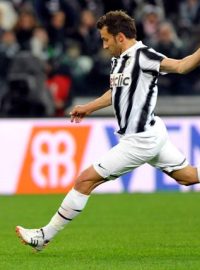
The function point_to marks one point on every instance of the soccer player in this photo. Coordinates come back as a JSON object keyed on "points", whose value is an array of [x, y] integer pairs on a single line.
{"points": [[143, 137]]}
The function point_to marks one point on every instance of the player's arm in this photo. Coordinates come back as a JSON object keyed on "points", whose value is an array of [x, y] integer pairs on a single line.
{"points": [[181, 66], [80, 111]]}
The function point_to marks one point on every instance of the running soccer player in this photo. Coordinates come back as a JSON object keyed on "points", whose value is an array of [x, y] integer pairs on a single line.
{"points": [[143, 137]]}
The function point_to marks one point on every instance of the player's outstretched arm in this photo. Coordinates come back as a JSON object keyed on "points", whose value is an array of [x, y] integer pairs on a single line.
{"points": [[80, 111], [181, 66]]}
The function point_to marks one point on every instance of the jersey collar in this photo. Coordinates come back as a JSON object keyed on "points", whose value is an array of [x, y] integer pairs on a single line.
{"points": [[131, 51]]}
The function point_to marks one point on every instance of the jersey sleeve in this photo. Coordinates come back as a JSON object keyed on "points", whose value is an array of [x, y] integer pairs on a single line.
{"points": [[150, 60]]}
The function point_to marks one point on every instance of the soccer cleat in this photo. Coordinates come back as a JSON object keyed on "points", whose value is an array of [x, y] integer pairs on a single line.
{"points": [[32, 237]]}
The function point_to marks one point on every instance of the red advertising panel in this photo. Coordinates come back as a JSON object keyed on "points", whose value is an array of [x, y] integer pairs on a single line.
{"points": [[53, 158]]}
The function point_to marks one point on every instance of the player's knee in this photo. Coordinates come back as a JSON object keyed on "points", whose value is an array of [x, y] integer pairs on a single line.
{"points": [[81, 180], [85, 182], [88, 180]]}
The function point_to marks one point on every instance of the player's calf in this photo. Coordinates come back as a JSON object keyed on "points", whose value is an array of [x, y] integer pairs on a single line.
{"points": [[187, 176]]}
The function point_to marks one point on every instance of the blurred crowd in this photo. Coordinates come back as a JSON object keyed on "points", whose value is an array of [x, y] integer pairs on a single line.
{"points": [[50, 50]]}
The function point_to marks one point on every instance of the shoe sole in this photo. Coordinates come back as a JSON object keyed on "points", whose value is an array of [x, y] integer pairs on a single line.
{"points": [[17, 230]]}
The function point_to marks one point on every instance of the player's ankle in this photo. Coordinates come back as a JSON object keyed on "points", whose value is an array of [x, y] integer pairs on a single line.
{"points": [[49, 231]]}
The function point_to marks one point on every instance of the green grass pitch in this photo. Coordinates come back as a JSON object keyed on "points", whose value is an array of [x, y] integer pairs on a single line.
{"points": [[123, 231]]}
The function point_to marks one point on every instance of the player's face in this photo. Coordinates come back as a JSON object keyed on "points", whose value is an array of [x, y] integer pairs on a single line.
{"points": [[110, 42]]}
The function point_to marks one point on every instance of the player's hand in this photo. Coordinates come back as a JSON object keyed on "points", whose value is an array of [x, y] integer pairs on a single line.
{"points": [[78, 113]]}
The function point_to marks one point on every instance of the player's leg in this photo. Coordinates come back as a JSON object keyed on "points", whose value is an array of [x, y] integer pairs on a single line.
{"points": [[115, 162], [188, 175], [88, 180], [128, 154], [74, 202], [71, 206], [171, 161]]}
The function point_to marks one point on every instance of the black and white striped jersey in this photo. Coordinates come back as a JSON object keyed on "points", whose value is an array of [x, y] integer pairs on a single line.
{"points": [[133, 82]]}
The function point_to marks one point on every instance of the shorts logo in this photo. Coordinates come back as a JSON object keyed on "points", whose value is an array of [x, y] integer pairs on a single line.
{"points": [[101, 166], [119, 80]]}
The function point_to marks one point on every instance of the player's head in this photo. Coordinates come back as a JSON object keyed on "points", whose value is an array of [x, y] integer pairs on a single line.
{"points": [[115, 27], [118, 21]]}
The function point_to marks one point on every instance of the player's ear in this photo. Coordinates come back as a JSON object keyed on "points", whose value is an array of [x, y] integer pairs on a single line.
{"points": [[120, 37]]}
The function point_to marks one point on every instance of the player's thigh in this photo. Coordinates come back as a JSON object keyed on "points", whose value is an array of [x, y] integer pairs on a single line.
{"points": [[169, 159], [120, 159]]}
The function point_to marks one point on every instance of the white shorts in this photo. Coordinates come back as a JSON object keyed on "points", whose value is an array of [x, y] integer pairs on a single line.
{"points": [[133, 150]]}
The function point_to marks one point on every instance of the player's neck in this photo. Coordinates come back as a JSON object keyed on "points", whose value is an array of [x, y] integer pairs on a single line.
{"points": [[128, 44]]}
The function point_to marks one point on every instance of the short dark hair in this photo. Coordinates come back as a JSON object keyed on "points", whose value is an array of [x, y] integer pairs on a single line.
{"points": [[118, 21]]}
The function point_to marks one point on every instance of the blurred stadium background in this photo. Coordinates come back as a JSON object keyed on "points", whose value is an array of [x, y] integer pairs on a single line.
{"points": [[51, 54]]}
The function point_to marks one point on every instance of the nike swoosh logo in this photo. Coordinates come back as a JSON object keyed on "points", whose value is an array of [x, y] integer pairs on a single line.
{"points": [[101, 166]]}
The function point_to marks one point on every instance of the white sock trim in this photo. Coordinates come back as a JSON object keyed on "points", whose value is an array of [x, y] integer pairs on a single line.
{"points": [[71, 206]]}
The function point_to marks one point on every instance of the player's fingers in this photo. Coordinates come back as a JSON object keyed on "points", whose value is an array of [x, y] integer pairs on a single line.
{"points": [[72, 117], [78, 119]]}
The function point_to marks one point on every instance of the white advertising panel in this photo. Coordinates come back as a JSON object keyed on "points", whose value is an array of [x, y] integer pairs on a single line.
{"points": [[41, 156]]}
